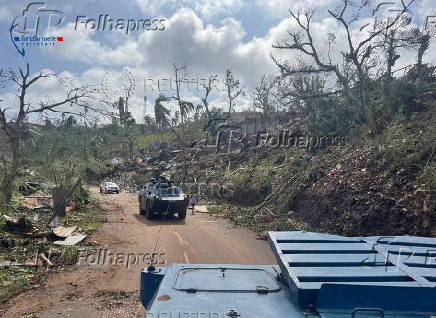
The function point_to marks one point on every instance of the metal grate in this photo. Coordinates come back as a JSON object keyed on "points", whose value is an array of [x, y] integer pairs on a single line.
{"points": [[310, 260]]}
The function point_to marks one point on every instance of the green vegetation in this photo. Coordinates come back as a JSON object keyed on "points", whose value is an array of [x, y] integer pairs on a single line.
{"points": [[13, 280], [18, 248], [88, 219]]}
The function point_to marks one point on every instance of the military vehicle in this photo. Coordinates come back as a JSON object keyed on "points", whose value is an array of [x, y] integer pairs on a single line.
{"points": [[162, 197], [317, 276]]}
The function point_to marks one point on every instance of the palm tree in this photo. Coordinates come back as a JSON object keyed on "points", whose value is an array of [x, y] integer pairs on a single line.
{"points": [[185, 108], [161, 113]]}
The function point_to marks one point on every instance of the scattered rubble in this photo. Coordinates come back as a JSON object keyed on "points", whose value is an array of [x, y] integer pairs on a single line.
{"points": [[30, 227], [64, 232], [71, 240], [15, 225], [38, 200], [201, 209]]}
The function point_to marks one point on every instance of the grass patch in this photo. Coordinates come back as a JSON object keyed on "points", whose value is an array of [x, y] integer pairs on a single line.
{"points": [[13, 280], [2, 225], [87, 219], [148, 141], [259, 221]]}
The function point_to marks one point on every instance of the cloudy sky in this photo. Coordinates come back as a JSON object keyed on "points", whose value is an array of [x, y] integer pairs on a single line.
{"points": [[209, 35]]}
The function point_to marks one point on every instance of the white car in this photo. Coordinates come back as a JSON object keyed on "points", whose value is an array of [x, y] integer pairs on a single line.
{"points": [[109, 187]]}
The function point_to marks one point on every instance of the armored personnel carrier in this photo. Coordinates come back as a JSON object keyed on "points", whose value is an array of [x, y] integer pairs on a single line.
{"points": [[317, 276], [162, 197]]}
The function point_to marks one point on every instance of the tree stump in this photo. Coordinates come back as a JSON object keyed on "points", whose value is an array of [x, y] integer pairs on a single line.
{"points": [[59, 201]]}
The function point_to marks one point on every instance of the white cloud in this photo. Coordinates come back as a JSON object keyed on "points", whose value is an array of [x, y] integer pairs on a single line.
{"points": [[81, 45], [208, 49], [5, 15], [426, 8], [205, 8], [280, 8]]}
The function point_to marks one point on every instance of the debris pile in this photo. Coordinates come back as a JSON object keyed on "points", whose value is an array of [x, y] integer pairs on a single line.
{"points": [[38, 200], [66, 233], [30, 233]]}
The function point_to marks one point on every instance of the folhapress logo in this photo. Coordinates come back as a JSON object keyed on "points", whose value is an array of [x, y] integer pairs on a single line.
{"points": [[36, 18], [105, 22]]}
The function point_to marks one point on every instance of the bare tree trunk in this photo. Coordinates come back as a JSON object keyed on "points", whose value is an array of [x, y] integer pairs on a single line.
{"points": [[6, 188], [131, 148], [206, 106], [14, 129], [362, 96], [10, 173], [59, 202], [60, 197], [391, 59], [230, 109]]}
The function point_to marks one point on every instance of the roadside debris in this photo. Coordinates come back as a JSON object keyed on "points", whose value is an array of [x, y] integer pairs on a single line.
{"points": [[20, 224], [55, 221], [117, 161], [201, 209], [28, 188], [38, 200], [71, 240], [64, 232], [67, 234]]}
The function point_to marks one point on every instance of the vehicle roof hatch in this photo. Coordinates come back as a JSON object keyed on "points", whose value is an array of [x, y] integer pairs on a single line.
{"points": [[225, 279]]}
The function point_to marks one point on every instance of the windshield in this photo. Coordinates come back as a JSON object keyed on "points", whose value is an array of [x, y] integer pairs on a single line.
{"points": [[170, 192]]}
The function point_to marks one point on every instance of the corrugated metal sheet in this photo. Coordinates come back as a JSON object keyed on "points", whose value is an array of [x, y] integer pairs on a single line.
{"points": [[64, 232], [71, 240], [310, 260]]}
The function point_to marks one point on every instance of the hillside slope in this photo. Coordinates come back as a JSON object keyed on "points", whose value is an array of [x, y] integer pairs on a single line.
{"points": [[377, 185]]}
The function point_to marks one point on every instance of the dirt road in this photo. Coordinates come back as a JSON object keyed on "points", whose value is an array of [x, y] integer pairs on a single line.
{"points": [[107, 287]]}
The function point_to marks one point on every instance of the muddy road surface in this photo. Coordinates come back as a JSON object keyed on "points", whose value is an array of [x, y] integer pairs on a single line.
{"points": [[105, 283]]}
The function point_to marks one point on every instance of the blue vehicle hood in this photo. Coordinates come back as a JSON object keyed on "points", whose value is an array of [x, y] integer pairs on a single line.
{"points": [[205, 293], [317, 275]]}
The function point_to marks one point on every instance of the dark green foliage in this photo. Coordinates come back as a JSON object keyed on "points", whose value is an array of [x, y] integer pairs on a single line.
{"points": [[402, 94], [126, 119], [424, 72], [332, 116], [161, 113], [81, 197]]}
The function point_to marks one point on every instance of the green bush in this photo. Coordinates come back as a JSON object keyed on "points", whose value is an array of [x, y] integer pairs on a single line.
{"points": [[12, 281], [332, 116], [81, 197], [2, 225], [402, 95]]}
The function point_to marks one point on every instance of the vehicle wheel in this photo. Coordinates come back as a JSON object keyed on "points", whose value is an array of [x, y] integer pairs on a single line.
{"points": [[141, 211], [181, 214], [148, 212]]}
